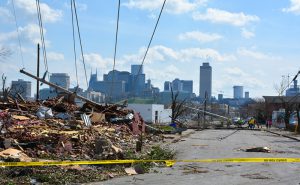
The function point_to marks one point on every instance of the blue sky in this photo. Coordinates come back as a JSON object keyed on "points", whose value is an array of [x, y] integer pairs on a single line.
{"points": [[251, 43]]}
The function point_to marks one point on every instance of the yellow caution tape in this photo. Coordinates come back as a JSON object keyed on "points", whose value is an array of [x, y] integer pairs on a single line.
{"points": [[168, 162]]}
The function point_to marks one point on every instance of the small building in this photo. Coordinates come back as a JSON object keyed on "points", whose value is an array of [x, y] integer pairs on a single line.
{"points": [[153, 113]]}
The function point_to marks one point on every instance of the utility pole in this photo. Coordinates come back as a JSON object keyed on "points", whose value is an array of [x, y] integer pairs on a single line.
{"points": [[204, 112], [198, 115], [38, 73]]}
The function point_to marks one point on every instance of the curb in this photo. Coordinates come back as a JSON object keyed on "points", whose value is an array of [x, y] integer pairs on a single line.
{"points": [[293, 138]]}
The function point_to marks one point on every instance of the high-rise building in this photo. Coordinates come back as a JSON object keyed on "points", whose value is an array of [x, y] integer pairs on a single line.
{"points": [[93, 80], [60, 79], [22, 87], [167, 86], [205, 80], [187, 85], [138, 80], [177, 85], [137, 69], [238, 92], [247, 95], [220, 97]]}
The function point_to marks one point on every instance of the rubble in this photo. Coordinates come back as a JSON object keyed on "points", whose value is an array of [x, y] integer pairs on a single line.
{"points": [[14, 155], [56, 129]]}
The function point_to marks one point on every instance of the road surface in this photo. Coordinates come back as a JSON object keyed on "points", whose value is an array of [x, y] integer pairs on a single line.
{"points": [[207, 144]]}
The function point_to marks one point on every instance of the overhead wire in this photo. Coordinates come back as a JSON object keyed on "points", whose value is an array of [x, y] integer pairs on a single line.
{"points": [[115, 51], [80, 42], [149, 44], [42, 35], [17, 27], [74, 43]]}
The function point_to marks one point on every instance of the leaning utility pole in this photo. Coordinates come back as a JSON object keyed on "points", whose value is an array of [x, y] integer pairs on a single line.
{"points": [[60, 88]]}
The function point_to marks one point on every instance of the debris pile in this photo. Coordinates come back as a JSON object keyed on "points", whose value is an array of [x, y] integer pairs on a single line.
{"points": [[55, 129]]}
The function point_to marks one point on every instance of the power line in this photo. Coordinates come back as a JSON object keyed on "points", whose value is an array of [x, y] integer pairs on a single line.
{"points": [[74, 43], [20, 46], [42, 34], [161, 10], [115, 51], [78, 30]]}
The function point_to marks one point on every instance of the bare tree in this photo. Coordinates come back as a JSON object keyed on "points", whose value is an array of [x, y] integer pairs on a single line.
{"points": [[177, 106], [281, 87]]}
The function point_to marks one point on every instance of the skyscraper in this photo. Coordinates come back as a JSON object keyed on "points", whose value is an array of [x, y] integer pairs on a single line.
{"points": [[135, 69], [205, 80], [238, 92], [247, 95], [167, 86], [187, 85], [138, 79], [60, 79], [177, 85], [22, 87]]}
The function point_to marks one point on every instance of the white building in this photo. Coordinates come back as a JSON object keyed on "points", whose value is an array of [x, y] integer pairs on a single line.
{"points": [[153, 113]]}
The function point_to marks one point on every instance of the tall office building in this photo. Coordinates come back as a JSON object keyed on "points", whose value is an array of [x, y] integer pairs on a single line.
{"points": [[135, 69], [238, 92], [177, 85], [60, 79], [247, 95], [205, 80], [138, 80], [22, 87], [220, 97], [167, 86], [187, 85]]}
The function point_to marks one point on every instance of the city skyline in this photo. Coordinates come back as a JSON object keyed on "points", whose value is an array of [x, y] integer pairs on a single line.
{"points": [[186, 85], [246, 43]]}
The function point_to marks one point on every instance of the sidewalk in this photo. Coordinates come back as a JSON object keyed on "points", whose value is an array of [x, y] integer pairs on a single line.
{"points": [[284, 133]]}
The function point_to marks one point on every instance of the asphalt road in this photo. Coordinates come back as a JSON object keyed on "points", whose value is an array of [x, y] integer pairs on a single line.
{"points": [[207, 144]]}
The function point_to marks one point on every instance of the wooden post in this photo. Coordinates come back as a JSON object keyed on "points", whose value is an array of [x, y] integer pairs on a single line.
{"points": [[38, 74]]}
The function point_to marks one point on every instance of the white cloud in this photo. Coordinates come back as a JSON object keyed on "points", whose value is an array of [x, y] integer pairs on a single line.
{"points": [[172, 6], [222, 16], [294, 7], [5, 15], [247, 34], [190, 54], [234, 71], [54, 56], [7, 36], [156, 75], [48, 14], [161, 53], [30, 32], [79, 6], [200, 36], [237, 76], [95, 60], [256, 54]]}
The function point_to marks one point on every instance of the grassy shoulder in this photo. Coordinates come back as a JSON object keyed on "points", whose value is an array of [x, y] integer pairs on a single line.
{"points": [[83, 173]]}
